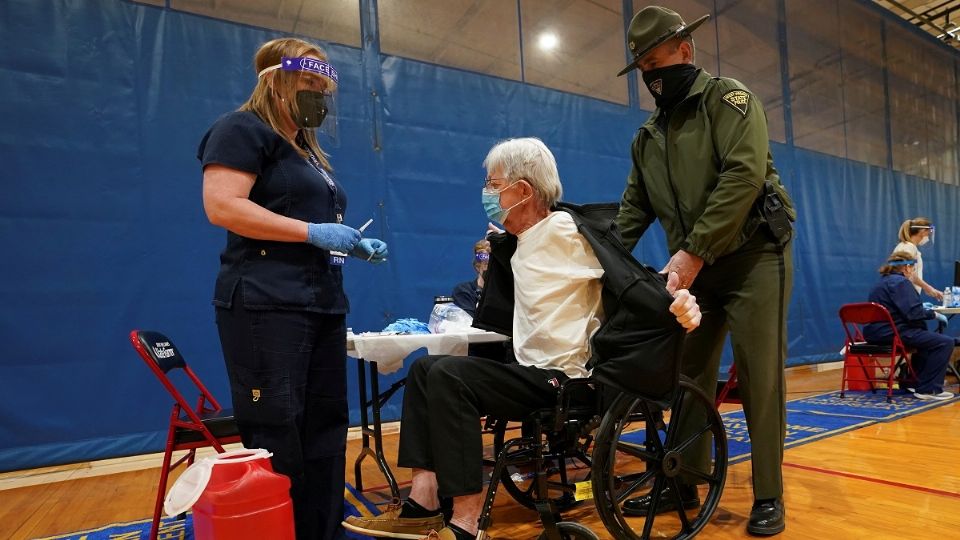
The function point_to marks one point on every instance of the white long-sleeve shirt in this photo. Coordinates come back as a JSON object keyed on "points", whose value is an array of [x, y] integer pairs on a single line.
{"points": [[556, 296]]}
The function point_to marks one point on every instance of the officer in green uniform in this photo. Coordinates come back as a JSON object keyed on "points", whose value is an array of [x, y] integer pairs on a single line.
{"points": [[702, 166]]}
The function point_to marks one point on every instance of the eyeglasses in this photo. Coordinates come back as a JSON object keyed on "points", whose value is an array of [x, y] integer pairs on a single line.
{"points": [[488, 182]]}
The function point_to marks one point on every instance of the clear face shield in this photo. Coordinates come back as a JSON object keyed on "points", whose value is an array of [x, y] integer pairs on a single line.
{"points": [[928, 239], [315, 85], [907, 266]]}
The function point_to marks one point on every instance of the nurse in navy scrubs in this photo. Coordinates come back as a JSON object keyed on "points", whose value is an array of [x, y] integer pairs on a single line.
{"points": [[932, 351], [279, 299]]}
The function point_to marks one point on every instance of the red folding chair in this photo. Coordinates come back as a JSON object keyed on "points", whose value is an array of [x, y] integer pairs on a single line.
{"points": [[871, 363], [190, 428]]}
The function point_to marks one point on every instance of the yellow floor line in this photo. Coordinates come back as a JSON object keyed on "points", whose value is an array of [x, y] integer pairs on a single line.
{"points": [[362, 508]]}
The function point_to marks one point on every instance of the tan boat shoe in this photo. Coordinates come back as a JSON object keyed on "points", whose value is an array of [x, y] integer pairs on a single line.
{"points": [[390, 525]]}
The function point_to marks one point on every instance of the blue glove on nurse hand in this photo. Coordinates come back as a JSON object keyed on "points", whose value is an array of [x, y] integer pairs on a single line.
{"points": [[371, 249], [333, 236]]}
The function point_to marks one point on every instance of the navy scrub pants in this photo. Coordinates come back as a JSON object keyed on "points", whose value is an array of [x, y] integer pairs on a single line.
{"points": [[930, 360], [288, 380]]}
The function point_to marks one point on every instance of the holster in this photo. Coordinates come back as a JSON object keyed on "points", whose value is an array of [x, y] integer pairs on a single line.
{"points": [[774, 213]]}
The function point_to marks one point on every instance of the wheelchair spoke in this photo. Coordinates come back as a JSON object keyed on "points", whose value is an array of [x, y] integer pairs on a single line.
{"points": [[693, 438], [635, 450], [681, 511], [656, 493], [653, 440], [675, 414], [641, 480], [686, 469]]}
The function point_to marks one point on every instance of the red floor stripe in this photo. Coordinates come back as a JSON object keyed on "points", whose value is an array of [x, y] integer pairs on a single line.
{"points": [[874, 480]]}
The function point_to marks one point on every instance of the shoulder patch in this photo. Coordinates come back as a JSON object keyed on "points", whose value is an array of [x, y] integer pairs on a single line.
{"points": [[738, 99]]}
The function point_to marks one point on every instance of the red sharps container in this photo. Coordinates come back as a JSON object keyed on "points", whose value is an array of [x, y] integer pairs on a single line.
{"points": [[235, 496]]}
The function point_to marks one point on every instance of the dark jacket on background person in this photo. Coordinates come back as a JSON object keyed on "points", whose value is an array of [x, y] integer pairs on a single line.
{"points": [[637, 348]]}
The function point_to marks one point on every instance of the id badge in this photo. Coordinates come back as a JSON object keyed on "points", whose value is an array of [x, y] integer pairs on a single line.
{"points": [[337, 258]]}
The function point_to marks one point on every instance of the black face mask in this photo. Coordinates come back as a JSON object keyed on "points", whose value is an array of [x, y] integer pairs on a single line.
{"points": [[313, 108], [669, 85]]}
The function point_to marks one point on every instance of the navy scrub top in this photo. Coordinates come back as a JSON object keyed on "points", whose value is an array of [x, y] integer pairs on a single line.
{"points": [[466, 295], [276, 275], [896, 293]]}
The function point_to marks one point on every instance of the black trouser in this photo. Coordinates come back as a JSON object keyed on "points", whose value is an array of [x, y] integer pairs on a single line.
{"points": [[288, 379], [442, 405]]}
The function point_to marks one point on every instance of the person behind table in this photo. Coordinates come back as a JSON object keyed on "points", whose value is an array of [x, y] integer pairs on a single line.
{"points": [[554, 318], [914, 233], [702, 167], [280, 304], [895, 291], [467, 294]]}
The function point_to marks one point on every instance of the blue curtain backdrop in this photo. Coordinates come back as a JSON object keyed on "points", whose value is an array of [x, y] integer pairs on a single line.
{"points": [[103, 104]]}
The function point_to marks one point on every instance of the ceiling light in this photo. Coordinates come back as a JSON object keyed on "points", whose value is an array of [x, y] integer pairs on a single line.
{"points": [[548, 41]]}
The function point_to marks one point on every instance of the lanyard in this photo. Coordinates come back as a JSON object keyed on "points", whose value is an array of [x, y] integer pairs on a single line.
{"points": [[329, 180]]}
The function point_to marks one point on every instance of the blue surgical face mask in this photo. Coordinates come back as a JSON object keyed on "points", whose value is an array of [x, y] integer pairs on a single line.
{"points": [[491, 204]]}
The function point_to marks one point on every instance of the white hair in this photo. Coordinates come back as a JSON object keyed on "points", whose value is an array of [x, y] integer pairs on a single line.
{"points": [[528, 159]]}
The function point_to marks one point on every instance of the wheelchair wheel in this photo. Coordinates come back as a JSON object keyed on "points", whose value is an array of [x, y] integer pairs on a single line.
{"points": [[572, 531], [640, 451], [518, 478]]}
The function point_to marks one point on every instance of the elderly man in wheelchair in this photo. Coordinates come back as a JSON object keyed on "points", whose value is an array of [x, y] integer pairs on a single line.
{"points": [[547, 288]]}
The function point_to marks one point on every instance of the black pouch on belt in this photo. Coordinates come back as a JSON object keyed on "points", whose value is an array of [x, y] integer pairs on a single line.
{"points": [[774, 213]]}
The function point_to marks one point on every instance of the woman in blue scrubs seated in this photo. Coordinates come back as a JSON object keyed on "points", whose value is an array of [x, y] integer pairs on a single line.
{"points": [[279, 297], [895, 292]]}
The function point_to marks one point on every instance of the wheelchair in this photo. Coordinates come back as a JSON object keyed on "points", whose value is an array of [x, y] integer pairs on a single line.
{"points": [[619, 445]]}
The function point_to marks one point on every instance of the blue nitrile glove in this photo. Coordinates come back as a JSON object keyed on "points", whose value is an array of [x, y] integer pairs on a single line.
{"points": [[333, 236], [371, 249]]}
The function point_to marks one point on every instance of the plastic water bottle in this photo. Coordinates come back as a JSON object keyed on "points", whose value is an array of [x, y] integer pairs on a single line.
{"points": [[948, 297]]}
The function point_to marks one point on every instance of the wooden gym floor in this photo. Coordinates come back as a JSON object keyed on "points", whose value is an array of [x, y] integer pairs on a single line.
{"points": [[899, 479]]}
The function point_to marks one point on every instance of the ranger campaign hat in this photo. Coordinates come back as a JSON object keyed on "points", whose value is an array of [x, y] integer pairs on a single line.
{"points": [[652, 26]]}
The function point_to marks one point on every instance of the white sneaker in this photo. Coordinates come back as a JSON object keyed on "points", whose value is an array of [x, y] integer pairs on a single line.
{"points": [[933, 397]]}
